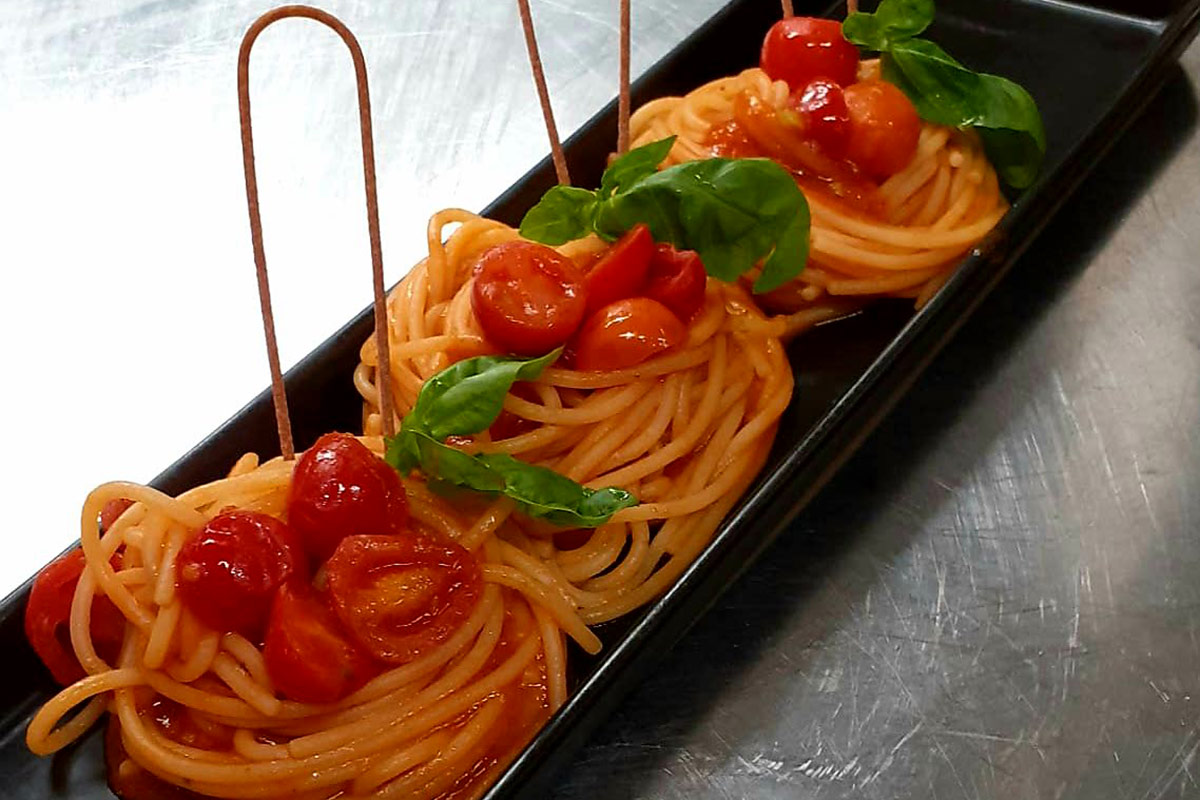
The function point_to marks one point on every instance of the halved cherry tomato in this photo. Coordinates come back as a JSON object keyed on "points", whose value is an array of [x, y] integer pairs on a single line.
{"points": [[677, 280], [528, 298], [626, 333], [308, 656], [884, 128], [48, 614], [399, 596], [800, 49], [340, 488], [621, 271], [228, 571], [822, 107]]}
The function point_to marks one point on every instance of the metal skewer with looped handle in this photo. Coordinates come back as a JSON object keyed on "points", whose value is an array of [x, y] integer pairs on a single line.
{"points": [[278, 392]]}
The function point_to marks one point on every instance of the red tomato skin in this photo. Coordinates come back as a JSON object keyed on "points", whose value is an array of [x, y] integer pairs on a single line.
{"points": [[677, 280], [884, 128], [822, 107], [340, 488], [801, 49], [308, 656], [626, 333], [621, 270], [228, 571], [131, 782], [48, 615], [400, 596], [528, 298], [112, 511]]}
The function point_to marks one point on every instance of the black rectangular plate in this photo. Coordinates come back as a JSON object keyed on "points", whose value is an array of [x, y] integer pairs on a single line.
{"points": [[1091, 67]]}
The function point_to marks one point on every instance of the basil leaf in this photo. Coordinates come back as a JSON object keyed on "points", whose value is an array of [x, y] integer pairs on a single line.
{"points": [[893, 21], [537, 491], [543, 493], [732, 212], [402, 452], [948, 93], [791, 249], [443, 463], [466, 397], [564, 214], [632, 167]]}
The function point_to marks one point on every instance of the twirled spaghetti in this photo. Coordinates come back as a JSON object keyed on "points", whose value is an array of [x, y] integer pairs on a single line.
{"points": [[686, 432], [927, 215], [442, 725]]}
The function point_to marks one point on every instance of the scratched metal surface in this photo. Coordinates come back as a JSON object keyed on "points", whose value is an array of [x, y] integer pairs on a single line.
{"points": [[995, 599]]}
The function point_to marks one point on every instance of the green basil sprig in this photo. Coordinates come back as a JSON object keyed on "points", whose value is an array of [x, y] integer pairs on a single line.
{"points": [[465, 399], [948, 93], [892, 22], [732, 212]]}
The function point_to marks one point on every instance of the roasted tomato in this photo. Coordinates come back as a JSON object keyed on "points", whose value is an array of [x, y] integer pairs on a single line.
{"points": [[884, 128], [621, 270], [308, 656], [228, 571], [677, 280], [528, 298], [48, 614], [340, 488], [400, 596], [626, 333], [822, 107], [801, 49]]}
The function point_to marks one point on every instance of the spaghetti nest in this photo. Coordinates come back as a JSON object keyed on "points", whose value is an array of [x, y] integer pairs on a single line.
{"points": [[923, 220], [448, 721], [685, 432]]}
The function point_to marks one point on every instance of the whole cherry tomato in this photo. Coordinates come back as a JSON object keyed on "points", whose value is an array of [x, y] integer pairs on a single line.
{"points": [[228, 571], [340, 488], [308, 656], [48, 614], [399, 596], [626, 333], [884, 128], [822, 107], [801, 49], [621, 270], [677, 280], [528, 298]]}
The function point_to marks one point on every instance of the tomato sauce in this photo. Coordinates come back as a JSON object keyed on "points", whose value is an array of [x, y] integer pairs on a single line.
{"points": [[526, 706], [130, 781], [758, 130]]}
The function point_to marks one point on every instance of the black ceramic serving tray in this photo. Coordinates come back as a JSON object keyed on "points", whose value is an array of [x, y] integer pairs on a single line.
{"points": [[1092, 67]]}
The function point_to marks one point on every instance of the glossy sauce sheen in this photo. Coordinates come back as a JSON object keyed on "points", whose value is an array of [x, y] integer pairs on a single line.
{"points": [[756, 131], [526, 708]]}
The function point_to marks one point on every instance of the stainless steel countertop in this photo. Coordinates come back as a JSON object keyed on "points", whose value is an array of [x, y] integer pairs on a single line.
{"points": [[996, 598]]}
